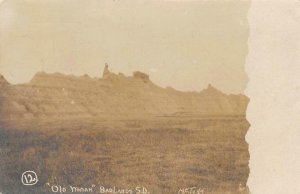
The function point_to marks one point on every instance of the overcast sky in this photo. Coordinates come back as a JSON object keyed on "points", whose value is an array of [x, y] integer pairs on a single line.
{"points": [[183, 44]]}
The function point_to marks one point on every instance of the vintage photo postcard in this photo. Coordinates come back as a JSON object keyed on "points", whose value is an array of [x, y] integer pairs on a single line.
{"points": [[124, 97]]}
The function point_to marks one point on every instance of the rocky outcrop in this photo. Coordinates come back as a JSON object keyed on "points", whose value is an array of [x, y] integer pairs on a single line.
{"points": [[140, 75], [3, 81], [57, 96]]}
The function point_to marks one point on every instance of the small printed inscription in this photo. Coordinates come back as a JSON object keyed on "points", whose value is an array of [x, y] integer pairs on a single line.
{"points": [[29, 178], [97, 189], [191, 190]]}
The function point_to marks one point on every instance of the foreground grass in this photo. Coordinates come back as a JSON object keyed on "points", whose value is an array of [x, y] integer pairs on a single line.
{"points": [[162, 155]]}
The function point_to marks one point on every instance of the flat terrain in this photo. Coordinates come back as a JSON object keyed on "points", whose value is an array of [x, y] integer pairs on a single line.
{"points": [[163, 155]]}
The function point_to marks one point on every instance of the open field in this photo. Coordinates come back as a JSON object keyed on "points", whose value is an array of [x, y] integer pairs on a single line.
{"points": [[162, 155]]}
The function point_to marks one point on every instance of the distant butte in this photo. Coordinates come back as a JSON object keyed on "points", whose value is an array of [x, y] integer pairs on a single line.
{"points": [[66, 97]]}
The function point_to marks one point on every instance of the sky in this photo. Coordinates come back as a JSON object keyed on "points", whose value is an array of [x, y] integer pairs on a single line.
{"points": [[183, 44]]}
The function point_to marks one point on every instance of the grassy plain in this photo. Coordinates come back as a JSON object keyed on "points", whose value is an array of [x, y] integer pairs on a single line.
{"points": [[162, 154]]}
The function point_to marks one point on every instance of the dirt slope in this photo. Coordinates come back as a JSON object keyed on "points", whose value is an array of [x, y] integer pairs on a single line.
{"points": [[57, 96]]}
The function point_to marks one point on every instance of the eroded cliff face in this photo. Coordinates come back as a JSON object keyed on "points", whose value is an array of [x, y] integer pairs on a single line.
{"points": [[57, 96]]}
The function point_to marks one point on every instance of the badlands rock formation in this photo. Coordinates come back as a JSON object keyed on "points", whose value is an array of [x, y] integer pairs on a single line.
{"points": [[57, 96]]}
